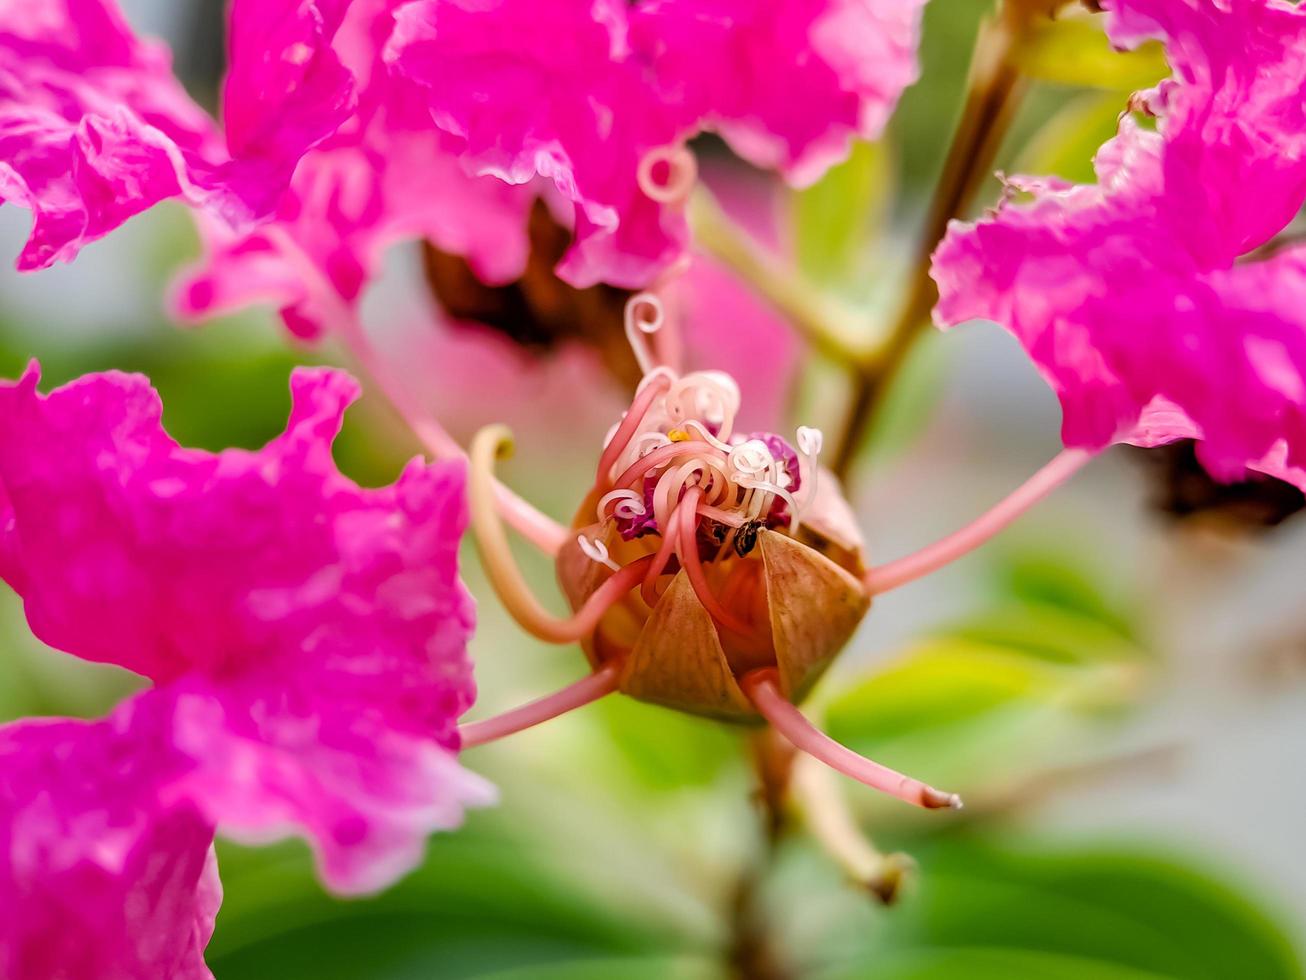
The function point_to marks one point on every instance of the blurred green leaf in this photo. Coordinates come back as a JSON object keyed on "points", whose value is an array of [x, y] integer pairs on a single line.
{"points": [[480, 903], [666, 750], [993, 963], [651, 968], [1007, 687], [985, 911], [1066, 144], [1073, 50], [833, 220], [1060, 580]]}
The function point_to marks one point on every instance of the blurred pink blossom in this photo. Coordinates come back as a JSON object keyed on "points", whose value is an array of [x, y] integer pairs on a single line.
{"points": [[306, 640], [1137, 297], [94, 128], [387, 175], [580, 93]]}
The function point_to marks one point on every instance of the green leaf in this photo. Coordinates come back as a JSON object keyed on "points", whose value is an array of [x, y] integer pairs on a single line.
{"points": [[986, 911], [649, 968], [963, 714], [666, 750], [481, 902], [834, 219], [1073, 50], [1037, 672], [1059, 580], [989, 964]]}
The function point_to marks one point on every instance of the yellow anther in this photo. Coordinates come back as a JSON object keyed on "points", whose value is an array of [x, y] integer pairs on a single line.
{"points": [[678, 435]]}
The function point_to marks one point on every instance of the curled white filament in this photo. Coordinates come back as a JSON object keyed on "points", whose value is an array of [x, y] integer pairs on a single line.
{"points": [[627, 505], [596, 551], [644, 316]]}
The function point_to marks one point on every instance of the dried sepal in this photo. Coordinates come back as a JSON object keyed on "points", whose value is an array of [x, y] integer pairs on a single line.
{"points": [[679, 662], [815, 606]]}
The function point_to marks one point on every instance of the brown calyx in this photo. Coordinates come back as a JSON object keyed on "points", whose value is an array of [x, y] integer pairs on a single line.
{"points": [[800, 605]]}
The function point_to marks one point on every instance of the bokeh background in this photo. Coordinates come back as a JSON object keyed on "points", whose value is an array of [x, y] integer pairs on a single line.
{"points": [[1117, 685]]}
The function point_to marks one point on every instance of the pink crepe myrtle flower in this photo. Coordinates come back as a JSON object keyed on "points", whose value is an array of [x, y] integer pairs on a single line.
{"points": [[305, 640], [1142, 298], [386, 175], [95, 128], [786, 83]]}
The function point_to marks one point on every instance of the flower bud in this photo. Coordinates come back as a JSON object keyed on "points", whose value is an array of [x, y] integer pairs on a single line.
{"points": [[756, 560]]}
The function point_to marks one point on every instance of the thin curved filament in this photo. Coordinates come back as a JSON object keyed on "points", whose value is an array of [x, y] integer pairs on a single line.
{"points": [[506, 577]]}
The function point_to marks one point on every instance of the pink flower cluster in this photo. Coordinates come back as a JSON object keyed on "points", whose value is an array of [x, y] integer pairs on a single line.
{"points": [[305, 641], [94, 128], [577, 93], [1158, 303], [439, 119]]}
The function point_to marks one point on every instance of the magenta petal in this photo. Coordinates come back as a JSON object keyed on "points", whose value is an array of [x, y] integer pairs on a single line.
{"points": [[1133, 296], [788, 83], [307, 636], [286, 89], [101, 875], [388, 176], [1233, 115], [94, 128]]}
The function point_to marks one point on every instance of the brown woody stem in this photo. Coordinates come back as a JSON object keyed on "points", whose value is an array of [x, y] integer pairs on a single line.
{"points": [[992, 95]]}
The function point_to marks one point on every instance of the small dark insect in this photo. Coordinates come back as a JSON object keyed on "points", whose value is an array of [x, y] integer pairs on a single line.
{"points": [[746, 537]]}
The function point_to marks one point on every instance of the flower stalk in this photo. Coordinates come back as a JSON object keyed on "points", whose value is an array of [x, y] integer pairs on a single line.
{"points": [[993, 93], [825, 325], [832, 825]]}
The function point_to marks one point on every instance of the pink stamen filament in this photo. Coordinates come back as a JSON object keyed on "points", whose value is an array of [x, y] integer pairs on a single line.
{"points": [[585, 691], [631, 478], [644, 400], [640, 327], [933, 557], [761, 687], [539, 529], [693, 566], [670, 537]]}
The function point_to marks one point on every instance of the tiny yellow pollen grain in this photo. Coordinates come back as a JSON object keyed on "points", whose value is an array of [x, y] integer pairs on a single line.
{"points": [[678, 435]]}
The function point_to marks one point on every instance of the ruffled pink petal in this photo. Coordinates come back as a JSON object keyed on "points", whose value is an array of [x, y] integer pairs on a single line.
{"points": [[308, 636], [388, 176], [1233, 115], [101, 874], [787, 83], [484, 64], [1126, 293], [299, 751], [94, 128], [286, 88]]}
